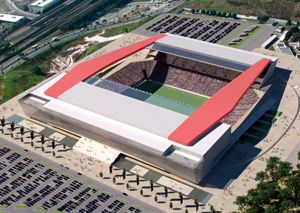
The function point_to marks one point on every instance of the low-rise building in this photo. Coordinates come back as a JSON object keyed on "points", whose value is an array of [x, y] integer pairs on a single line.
{"points": [[10, 18], [41, 6]]}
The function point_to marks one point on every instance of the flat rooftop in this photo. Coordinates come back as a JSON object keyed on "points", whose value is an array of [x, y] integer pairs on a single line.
{"points": [[42, 3], [236, 59], [10, 18], [142, 115]]}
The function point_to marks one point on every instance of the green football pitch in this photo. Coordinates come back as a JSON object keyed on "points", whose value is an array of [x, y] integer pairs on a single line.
{"points": [[170, 93]]}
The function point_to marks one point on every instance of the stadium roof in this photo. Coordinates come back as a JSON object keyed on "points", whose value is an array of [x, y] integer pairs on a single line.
{"points": [[218, 106], [142, 115], [93, 66], [176, 127], [219, 55]]}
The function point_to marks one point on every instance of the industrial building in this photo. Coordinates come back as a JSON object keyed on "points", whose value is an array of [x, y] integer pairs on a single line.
{"points": [[180, 109], [11, 18], [41, 6]]}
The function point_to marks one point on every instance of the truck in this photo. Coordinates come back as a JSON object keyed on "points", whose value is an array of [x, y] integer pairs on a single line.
{"points": [[55, 39]]}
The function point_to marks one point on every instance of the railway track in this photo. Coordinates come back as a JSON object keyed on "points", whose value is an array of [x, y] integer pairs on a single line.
{"points": [[67, 13]]}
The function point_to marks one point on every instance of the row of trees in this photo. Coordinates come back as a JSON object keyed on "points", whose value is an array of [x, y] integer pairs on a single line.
{"points": [[3, 45], [277, 191], [214, 13], [293, 34], [263, 19]]}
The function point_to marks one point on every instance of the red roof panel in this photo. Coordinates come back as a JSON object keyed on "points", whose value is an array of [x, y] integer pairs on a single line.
{"points": [[218, 106], [88, 68]]}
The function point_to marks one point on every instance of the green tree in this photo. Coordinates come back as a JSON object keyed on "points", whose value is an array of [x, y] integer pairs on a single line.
{"points": [[263, 19], [278, 189], [37, 70], [292, 33], [296, 37], [213, 13]]}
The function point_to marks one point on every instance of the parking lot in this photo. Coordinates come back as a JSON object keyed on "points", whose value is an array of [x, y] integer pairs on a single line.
{"points": [[30, 183], [246, 35], [200, 27]]}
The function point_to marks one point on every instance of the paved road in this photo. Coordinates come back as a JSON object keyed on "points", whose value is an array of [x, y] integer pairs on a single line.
{"points": [[18, 11], [258, 38], [96, 188], [293, 157], [46, 44]]}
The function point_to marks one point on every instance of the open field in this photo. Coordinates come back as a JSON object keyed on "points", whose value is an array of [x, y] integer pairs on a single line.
{"points": [[275, 8], [172, 93]]}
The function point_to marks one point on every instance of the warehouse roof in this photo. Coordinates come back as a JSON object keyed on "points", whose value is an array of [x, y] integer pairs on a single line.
{"points": [[42, 3], [10, 18]]}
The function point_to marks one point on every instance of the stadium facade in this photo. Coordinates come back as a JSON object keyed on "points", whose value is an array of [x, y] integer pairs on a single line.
{"points": [[125, 110]]}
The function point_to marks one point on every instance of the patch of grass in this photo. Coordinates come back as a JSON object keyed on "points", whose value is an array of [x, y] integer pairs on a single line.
{"points": [[40, 209], [3, 206], [126, 28], [277, 115], [21, 206], [244, 39], [18, 80], [92, 48], [172, 93], [29, 73]]}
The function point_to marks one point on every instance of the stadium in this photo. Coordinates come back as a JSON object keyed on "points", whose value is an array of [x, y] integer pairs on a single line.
{"points": [[180, 108]]}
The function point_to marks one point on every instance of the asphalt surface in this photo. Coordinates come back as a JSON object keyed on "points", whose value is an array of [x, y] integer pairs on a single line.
{"points": [[293, 157], [46, 44], [258, 38], [18, 11], [82, 202]]}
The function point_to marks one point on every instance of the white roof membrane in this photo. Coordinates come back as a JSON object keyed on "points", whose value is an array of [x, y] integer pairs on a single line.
{"points": [[207, 52], [133, 112]]}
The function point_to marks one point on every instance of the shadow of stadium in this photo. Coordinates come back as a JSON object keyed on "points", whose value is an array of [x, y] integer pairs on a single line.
{"points": [[237, 159]]}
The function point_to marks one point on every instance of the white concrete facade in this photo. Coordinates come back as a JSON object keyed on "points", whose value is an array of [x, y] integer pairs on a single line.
{"points": [[189, 162], [118, 125], [10, 18], [40, 6]]}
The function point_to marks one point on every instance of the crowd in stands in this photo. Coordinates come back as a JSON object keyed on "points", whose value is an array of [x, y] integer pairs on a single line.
{"points": [[249, 99], [134, 72], [188, 80], [198, 77], [197, 66]]}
